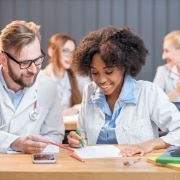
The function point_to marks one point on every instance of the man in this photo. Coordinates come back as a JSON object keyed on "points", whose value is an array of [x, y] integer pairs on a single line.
{"points": [[29, 102]]}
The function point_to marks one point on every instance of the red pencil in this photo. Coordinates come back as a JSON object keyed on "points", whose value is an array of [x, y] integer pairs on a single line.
{"points": [[61, 146], [77, 158]]}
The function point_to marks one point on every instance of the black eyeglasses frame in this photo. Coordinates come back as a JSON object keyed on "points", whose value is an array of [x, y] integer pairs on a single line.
{"points": [[31, 61]]}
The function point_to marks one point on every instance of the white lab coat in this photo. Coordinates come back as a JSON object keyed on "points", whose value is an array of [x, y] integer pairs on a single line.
{"points": [[166, 78], [135, 123], [64, 85], [17, 122]]}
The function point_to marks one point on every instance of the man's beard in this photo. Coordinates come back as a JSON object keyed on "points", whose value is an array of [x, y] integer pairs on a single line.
{"points": [[19, 79]]}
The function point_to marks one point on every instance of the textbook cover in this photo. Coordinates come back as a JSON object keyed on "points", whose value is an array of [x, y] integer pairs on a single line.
{"points": [[171, 155], [168, 165]]}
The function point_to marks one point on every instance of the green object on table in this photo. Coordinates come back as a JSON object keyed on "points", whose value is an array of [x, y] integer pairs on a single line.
{"points": [[81, 141], [171, 155]]}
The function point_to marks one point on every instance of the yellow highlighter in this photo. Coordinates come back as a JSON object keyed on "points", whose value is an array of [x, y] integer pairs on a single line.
{"points": [[81, 141]]}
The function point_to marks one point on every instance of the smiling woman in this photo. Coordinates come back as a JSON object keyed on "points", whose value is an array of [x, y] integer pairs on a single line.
{"points": [[167, 76], [116, 108]]}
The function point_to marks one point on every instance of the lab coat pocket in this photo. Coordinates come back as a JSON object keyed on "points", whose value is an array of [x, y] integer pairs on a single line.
{"points": [[138, 132]]}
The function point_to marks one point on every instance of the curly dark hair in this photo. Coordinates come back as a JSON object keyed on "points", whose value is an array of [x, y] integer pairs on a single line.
{"points": [[118, 47]]}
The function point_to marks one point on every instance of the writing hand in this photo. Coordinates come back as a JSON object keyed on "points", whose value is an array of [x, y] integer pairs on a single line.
{"points": [[74, 139]]}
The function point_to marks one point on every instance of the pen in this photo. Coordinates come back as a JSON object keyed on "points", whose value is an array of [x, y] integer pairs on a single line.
{"points": [[128, 163], [61, 146], [77, 158], [81, 141]]}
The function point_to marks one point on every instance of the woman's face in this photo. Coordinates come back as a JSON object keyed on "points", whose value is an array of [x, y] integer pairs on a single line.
{"points": [[170, 53], [108, 78], [66, 54]]}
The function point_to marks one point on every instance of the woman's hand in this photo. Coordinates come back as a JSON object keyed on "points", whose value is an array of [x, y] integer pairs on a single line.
{"points": [[130, 150], [142, 148], [176, 92], [30, 144], [73, 139]]}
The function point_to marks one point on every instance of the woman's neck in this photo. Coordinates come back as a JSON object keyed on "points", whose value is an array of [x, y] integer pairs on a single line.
{"points": [[59, 72]]}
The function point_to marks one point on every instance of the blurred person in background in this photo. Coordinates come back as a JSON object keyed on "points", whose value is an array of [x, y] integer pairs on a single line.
{"points": [[168, 75], [70, 86]]}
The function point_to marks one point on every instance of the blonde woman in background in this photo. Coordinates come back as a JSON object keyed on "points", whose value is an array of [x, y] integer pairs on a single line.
{"points": [[60, 50], [168, 75]]}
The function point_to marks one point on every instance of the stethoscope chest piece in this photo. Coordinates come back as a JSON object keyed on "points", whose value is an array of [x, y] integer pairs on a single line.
{"points": [[34, 115]]}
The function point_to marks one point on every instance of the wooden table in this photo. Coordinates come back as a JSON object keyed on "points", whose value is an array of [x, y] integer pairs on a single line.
{"points": [[70, 125], [70, 122], [20, 167]]}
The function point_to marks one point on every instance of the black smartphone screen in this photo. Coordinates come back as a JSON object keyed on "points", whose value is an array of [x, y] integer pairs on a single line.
{"points": [[44, 158]]}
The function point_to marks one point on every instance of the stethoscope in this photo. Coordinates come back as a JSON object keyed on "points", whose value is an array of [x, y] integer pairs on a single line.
{"points": [[34, 115]]}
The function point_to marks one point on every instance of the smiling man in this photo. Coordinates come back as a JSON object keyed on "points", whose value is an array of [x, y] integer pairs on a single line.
{"points": [[29, 101]]}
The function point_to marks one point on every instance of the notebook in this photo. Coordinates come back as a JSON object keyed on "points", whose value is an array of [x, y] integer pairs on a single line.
{"points": [[171, 155], [169, 158], [169, 165]]}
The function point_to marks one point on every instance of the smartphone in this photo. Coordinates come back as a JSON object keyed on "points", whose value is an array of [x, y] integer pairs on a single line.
{"points": [[43, 158]]}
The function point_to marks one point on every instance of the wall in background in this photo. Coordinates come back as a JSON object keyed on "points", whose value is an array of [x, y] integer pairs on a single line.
{"points": [[151, 19]]}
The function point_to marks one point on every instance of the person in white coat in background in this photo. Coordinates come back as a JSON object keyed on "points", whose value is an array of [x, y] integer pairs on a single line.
{"points": [[29, 101], [70, 86], [168, 75], [116, 108]]}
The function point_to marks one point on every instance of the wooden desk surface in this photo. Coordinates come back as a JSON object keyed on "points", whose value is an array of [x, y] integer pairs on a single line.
{"points": [[70, 122], [70, 125], [20, 167]]}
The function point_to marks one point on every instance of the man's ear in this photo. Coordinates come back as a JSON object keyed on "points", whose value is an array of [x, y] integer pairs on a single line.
{"points": [[3, 59]]}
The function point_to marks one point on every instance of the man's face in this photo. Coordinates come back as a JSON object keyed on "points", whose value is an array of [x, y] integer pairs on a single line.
{"points": [[23, 77]]}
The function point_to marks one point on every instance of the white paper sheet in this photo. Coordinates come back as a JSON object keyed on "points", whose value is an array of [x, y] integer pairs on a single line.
{"points": [[49, 149], [99, 151]]}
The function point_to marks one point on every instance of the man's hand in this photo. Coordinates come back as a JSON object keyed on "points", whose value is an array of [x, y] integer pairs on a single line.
{"points": [[30, 144]]}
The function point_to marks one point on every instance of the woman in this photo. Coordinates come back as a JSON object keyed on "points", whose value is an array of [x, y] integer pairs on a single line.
{"points": [[168, 75], [60, 50], [117, 109]]}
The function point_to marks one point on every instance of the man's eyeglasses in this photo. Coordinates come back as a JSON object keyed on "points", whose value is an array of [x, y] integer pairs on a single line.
{"points": [[27, 63], [67, 52]]}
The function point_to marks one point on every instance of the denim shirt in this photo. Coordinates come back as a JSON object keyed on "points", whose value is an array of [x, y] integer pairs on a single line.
{"points": [[14, 96], [127, 95]]}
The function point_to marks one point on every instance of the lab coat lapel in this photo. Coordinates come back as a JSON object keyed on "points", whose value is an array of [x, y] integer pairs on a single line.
{"points": [[28, 99], [4, 99]]}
